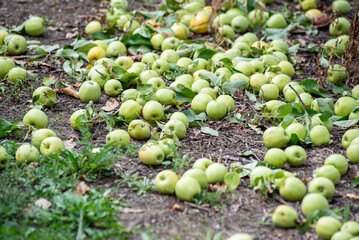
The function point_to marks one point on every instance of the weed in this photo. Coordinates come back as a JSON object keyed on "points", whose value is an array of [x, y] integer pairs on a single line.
{"points": [[141, 184]]}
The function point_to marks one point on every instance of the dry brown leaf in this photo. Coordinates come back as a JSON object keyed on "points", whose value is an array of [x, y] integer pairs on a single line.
{"points": [[111, 105], [20, 62], [70, 144], [133, 210], [352, 196], [71, 35], [51, 28], [176, 207], [43, 203], [81, 188], [218, 187], [70, 91]]}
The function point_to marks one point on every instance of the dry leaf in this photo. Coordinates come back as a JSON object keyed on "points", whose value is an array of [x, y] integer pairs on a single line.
{"points": [[81, 188], [176, 207], [111, 105], [352, 196], [133, 210], [218, 187], [43, 203], [70, 144], [20, 62], [69, 91], [71, 35]]}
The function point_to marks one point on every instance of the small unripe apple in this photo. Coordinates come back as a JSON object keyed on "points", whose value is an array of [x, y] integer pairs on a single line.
{"points": [[323, 186], [45, 96], [39, 135], [51, 145], [296, 155], [4, 157], [329, 172], [35, 118], [17, 74], [151, 154], [258, 172], [285, 217], [277, 21], [89, 91], [27, 153], [93, 27], [166, 181], [187, 188], [275, 157], [199, 175], [275, 137], [215, 173], [319, 135], [293, 189], [119, 138], [338, 161], [327, 226], [216, 109], [139, 130], [313, 202]]}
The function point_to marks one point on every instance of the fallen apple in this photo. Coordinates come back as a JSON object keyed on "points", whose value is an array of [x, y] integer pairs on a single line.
{"points": [[327, 226], [51, 145], [187, 188], [27, 153], [151, 154], [139, 129], [285, 217], [166, 181], [35, 118]]}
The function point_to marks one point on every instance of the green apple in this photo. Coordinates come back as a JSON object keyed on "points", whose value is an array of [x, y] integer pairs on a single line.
{"points": [[137, 68], [16, 44], [199, 84], [119, 18], [297, 129], [339, 26], [156, 83], [353, 153], [269, 92], [349, 136], [225, 32], [151, 154], [257, 65], [330, 172], [180, 30], [113, 87], [199, 102], [287, 68], [170, 43], [296, 155], [119, 138], [319, 135], [45, 96], [259, 172], [124, 61], [81, 114], [341, 6], [277, 20], [215, 173], [226, 72], [139, 129], [160, 66], [101, 43], [210, 91], [240, 24], [275, 157], [198, 64], [147, 75], [316, 121], [313, 202], [216, 109], [308, 4], [184, 62], [99, 74], [323, 186], [27, 153], [152, 110], [17, 74], [285, 217], [168, 146], [350, 227], [35, 118], [228, 100], [51, 145], [341, 235], [292, 189], [247, 69], [202, 164], [39, 135], [280, 44], [6, 64], [271, 107], [192, 7], [240, 236], [275, 137], [175, 127], [334, 47], [3, 35], [166, 181], [180, 116], [156, 41], [149, 58], [199, 175], [187, 188], [338, 161], [233, 12], [119, 4], [93, 27], [279, 181], [130, 109], [336, 73], [257, 80], [166, 96], [115, 49], [221, 20], [89, 91], [258, 17], [327, 226], [131, 26], [4, 157], [35, 26]]}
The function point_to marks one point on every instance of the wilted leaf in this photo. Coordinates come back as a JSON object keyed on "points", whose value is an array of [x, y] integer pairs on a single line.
{"points": [[232, 179], [111, 105], [209, 131], [81, 188], [43, 203], [70, 144], [176, 207], [218, 187]]}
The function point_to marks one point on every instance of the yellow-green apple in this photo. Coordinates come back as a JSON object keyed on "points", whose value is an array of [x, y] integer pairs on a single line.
{"points": [[216, 110], [3, 35], [146, 75], [149, 58], [6, 64], [215, 173], [199, 175], [313, 202], [334, 47], [184, 62], [95, 54], [279, 43], [199, 84], [246, 68], [101, 43], [341, 6], [258, 17], [170, 55], [297, 129], [244, 48], [139, 129], [349, 136], [180, 30], [93, 27], [89, 91], [160, 66], [80, 118], [257, 80], [16, 44], [170, 43], [222, 19], [336, 73], [39, 135], [319, 135], [327, 226], [287, 68], [51, 145], [275, 137], [99, 74], [130, 109], [292, 189], [168, 146], [113, 87], [156, 83], [119, 4], [180, 116], [202, 164], [296, 155], [233, 12], [257, 65], [353, 153], [339, 26], [27, 153], [4, 157], [225, 32], [327, 123], [119, 138], [35, 26], [156, 41], [199, 102], [240, 236], [240, 24], [355, 91], [308, 4], [322, 186], [131, 25], [277, 20], [17, 74], [175, 127], [210, 91], [129, 94], [338, 161], [187, 188], [280, 80], [275, 157], [198, 64], [285, 217], [166, 96], [279, 181], [166, 181], [269, 92], [192, 7], [351, 227], [151, 154], [115, 49], [35, 118], [228, 100], [330, 172], [269, 60], [152, 110], [259, 172], [45, 96], [342, 235], [124, 61]]}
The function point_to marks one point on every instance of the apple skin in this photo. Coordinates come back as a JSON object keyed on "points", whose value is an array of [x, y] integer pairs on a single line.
{"points": [[257, 80], [99, 73], [175, 127], [166, 96], [184, 62], [341, 6], [77, 114], [293, 189], [275, 157], [168, 146], [257, 17], [312, 202], [199, 84], [316, 121], [39, 135], [17, 74], [287, 68], [47, 96], [166, 181], [180, 116], [323, 186], [156, 84], [353, 153], [113, 87], [35, 118], [170, 43], [119, 137], [4, 157], [257, 172], [199, 175], [51, 145], [225, 32], [228, 100], [27, 153], [297, 129], [349, 136], [199, 102], [329, 172], [6, 64], [277, 21], [187, 188], [160, 66], [89, 91], [351, 227], [149, 58], [245, 68], [338, 161], [152, 110], [147, 75], [341, 235], [269, 92], [344, 106], [115, 49], [336, 73], [139, 129], [279, 181], [215, 173], [285, 217], [240, 24], [319, 135], [327, 226], [93, 27], [275, 137], [216, 110], [3, 35], [16, 45], [296, 155], [156, 41], [124, 61], [151, 154], [130, 110], [202, 164]]}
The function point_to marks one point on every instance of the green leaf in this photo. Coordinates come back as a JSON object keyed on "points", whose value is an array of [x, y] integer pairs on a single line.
{"points": [[313, 216], [206, 54], [209, 131], [67, 53], [325, 116], [250, 96], [324, 62], [191, 115], [170, 20], [326, 105], [7, 127], [232, 179], [186, 49], [232, 86], [340, 88], [217, 81], [356, 182], [284, 110], [136, 39], [153, 14], [346, 123], [47, 81], [100, 36], [287, 120], [293, 49], [183, 94], [273, 33], [19, 29], [246, 154]]}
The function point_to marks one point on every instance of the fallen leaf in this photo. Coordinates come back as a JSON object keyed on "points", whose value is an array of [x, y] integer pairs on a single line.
{"points": [[43, 203], [176, 207], [81, 188], [217, 187], [352, 196], [110, 105], [71, 35], [70, 144], [133, 210], [69, 91]]}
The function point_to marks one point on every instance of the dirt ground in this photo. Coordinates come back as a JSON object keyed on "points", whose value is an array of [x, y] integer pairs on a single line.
{"points": [[243, 211]]}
